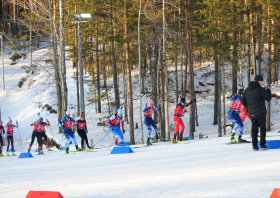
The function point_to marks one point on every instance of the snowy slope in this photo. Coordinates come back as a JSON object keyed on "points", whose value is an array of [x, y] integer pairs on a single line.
{"points": [[200, 168]]}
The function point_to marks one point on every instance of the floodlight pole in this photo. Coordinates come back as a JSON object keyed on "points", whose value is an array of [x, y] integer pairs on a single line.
{"points": [[81, 68]]}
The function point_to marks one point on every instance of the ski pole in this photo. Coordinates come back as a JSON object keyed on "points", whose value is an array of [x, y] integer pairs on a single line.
{"points": [[110, 146], [19, 135], [101, 139]]}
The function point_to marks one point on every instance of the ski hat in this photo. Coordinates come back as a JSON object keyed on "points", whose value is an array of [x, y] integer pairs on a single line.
{"points": [[150, 103], [183, 100], [10, 121], [67, 113], [258, 78], [120, 112], [82, 116], [240, 91]]}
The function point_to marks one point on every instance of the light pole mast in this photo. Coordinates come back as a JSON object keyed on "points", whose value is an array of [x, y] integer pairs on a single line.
{"points": [[81, 70]]}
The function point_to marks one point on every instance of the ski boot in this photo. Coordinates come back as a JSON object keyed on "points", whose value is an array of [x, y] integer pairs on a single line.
{"points": [[40, 151], [83, 149], [67, 150], [156, 138], [77, 148], [182, 138], [7, 153], [174, 139], [232, 137], [148, 142], [89, 147], [29, 150], [13, 154], [1, 155], [116, 143], [241, 140], [121, 144]]}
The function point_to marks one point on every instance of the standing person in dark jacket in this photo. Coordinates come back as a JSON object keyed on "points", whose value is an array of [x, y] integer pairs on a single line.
{"points": [[254, 99], [82, 129]]}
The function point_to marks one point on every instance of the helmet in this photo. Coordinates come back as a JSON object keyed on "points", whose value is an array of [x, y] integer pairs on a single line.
{"points": [[240, 91], [183, 100], [67, 113], [82, 116], [150, 103], [120, 112]]}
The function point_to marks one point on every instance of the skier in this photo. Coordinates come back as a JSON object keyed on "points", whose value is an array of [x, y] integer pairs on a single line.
{"points": [[43, 133], [10, 137], [234, 117], [39, 126], [2, 132], [243, 112], [114, 128], [66, 124], [149, 120], [178, 114], [82, 129]]}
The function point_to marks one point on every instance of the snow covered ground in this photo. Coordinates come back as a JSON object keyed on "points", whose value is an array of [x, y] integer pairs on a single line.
{"points": [[199, 168]]}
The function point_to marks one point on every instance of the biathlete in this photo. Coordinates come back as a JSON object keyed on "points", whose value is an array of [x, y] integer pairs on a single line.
{"points": [[149, 120], [244, 112], [82, 131], [2, 132], [114, 128], [39, 126], [10, 137], [178, 114], [234, 117], [43, 134], [66, 124]]}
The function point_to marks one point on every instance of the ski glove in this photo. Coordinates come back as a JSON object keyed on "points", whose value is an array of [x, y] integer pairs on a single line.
{"points": [[123, 131]]}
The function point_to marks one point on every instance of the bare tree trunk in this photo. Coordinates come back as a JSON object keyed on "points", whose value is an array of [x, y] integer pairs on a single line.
{"points": [[129, 80], [253, 40], [124, 90], [216, 100], [62, 58], [56, 74], [224, 97], [268, 127], [114, 66], [175, 51], [234, 66], [154, 63], [259, 44], [97, 68], [191, 74], [104, 67], [166, 76]]}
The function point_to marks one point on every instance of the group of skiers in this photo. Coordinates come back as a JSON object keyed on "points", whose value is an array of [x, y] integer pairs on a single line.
{"points": [[251, 102], [245, 103], [68, 123]]}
